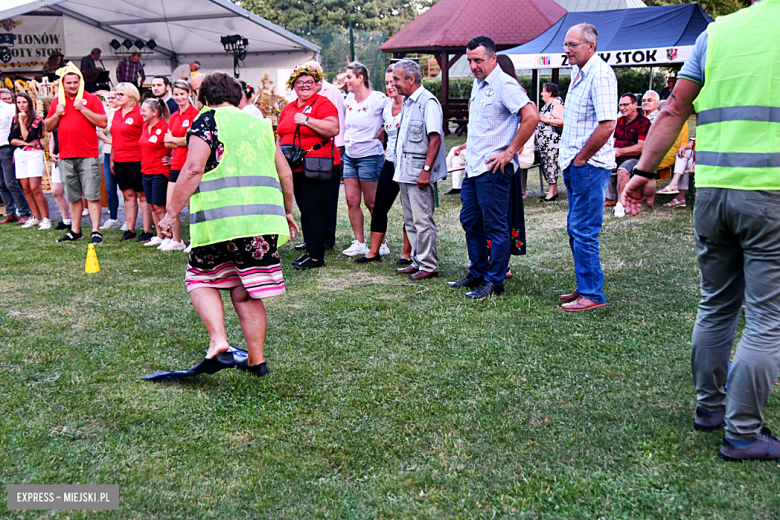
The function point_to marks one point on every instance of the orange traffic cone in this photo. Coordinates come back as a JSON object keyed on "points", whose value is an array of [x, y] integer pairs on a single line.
{"points": [[92, 262]]}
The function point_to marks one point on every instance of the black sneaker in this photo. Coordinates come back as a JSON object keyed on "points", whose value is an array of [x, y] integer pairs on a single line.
{"points": [[144, 237], [70, 236], [309, 264], [129, 235], [302, 258], [96, 238], [62, 226], [486, 290]]}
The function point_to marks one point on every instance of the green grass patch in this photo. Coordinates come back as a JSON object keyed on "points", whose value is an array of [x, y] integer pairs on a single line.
{"points": [[386, 399]]}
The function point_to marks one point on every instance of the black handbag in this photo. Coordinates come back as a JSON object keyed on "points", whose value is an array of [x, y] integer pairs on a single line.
{"points": [[318, 168], [292, 152]]}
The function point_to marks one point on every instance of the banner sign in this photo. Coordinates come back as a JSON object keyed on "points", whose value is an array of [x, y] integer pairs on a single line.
{"points": [[633, 58], [37, 36]]}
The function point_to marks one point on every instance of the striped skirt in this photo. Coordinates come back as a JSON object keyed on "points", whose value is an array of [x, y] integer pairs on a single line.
{"points": [[252, 262]]}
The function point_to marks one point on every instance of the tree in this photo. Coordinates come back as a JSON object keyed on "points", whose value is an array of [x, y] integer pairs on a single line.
{"points": [[372, 15], [714, 8]]}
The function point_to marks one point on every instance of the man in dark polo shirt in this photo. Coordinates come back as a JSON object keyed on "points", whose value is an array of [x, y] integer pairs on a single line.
{"points": [[630, 133]]}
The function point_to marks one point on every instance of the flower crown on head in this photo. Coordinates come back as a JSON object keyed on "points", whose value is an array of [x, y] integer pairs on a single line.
{"points": [[303, 71]]}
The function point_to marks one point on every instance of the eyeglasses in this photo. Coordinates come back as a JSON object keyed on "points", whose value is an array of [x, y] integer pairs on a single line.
{"points": [[647, 100], [304, 83], [625, 105], [571, 45], [119, 94]]}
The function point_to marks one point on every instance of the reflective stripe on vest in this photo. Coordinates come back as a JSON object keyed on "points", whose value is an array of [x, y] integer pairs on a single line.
{"points": [[242, 196], [738, 120]]}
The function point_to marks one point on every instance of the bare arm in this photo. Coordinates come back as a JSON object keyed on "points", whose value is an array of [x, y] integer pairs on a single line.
{"points": [[198, 153], [434, 142], [327, 128], [598, 138], [285, 179], [632, 150], [104, 137], [380, 134], [556, 116], [51, 123]]}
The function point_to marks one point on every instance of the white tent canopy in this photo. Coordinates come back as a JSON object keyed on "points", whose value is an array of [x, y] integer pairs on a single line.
{"points": [[184, 31], [180, 27]]}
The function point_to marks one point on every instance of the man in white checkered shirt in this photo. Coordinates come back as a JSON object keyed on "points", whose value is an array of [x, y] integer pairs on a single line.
{"points": [[586, 157]]}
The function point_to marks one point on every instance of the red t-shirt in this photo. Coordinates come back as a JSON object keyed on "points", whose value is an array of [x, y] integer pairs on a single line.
{"points": [[125, 133], [320, 109], [153, 149], [78, 137], [179, 124]]}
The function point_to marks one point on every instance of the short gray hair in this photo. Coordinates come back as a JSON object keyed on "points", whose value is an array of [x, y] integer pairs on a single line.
{"points": [[589, 34], [6, 91], [410, 70], [653, 94]]}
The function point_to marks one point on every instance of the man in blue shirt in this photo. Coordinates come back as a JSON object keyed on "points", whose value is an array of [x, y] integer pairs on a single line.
{"points": [[501, 120]]}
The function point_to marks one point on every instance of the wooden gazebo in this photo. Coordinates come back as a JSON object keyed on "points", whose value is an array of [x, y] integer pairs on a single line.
{"points": [[446, 28]]}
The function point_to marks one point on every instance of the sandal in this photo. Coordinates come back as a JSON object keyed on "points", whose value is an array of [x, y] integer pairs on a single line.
{"points": [[667, 191], [674, 203]]}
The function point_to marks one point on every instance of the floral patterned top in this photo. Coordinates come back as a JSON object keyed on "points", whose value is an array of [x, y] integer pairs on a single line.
{"points": [[34, 133], [205, 127]]}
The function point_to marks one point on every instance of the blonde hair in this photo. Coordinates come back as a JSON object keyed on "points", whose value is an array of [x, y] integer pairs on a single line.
{"points": [[130, 90]]}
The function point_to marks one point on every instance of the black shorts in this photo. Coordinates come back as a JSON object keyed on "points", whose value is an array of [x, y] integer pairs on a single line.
{"points": [[156, 189], [174, 175], [128, 175]]}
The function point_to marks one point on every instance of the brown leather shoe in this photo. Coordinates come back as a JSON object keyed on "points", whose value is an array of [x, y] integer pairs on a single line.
{"points": [[424, 275], [22, 220], [8, 219], [582, 304], [568, 298], [609, 203], [407, 270]]}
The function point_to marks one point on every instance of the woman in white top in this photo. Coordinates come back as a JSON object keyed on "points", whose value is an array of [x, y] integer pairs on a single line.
{"points": [[387, 190], [364, 155], [246, 104]]}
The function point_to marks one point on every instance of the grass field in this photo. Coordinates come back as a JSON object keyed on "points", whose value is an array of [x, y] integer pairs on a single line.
{"points": [[387, 398]]}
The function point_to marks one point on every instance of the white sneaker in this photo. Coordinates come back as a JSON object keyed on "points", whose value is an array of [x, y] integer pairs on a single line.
{"points": [[189, 249], [111, 223], [155, 241], [620, 211], [356, 249], [85, 212], [32, 222], [124, 227], [45, 224], [164, 243], [383, 249], [173, 246]]}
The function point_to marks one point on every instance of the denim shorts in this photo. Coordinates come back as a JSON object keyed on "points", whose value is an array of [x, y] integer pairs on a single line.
{"points": [[367, 169]]}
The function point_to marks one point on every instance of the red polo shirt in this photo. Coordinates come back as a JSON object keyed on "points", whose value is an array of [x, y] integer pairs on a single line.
{"points": [[153, 149], [125, 133], [179, 124], [78, 137], [323, 108]]}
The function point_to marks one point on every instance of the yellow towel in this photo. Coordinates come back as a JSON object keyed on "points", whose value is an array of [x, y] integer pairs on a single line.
{"points": [[70, 68]]}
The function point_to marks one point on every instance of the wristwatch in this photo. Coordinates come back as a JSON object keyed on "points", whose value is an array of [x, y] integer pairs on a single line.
{"points": [[426, 168], [646, 175], [306, 123]]}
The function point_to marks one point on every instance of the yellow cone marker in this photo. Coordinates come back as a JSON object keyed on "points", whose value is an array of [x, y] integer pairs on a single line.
{"points": [[92, 263]]}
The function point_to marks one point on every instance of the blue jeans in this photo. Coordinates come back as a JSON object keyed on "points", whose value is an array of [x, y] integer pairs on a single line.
{"points": [[113, 198], [485, 220], [586, 188]]}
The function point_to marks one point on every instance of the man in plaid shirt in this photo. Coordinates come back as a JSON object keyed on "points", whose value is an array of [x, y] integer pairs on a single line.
{"points": [[586, 156], [130, 68]]}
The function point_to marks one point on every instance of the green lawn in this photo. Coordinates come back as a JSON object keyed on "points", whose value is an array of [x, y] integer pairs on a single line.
{"points": [[387, 398]]}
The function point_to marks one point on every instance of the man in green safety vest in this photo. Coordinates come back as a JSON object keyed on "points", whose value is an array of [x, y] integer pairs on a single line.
{"points": [[732, 79]]}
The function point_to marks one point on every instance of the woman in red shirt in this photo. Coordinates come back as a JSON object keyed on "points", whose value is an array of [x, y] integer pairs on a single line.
{"points": [[155, 161], [126, 159], [318, 121], [175, 138]]}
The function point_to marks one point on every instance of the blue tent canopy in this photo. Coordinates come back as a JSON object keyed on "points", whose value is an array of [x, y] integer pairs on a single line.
{"points": [[627, 37]]}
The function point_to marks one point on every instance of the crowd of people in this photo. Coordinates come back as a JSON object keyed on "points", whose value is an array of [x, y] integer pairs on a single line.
{"points": [[240, 183]]}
